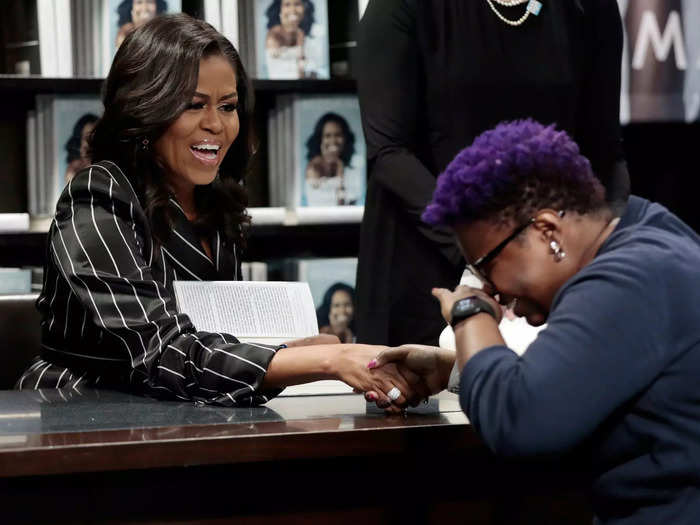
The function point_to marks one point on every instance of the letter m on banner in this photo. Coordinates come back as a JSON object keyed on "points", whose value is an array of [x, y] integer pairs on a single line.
{"points": [[649, 34]]}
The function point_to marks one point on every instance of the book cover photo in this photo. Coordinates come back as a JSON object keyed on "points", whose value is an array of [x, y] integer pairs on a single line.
{"points": [[291, 39], [330, 151], [74, 118], [122, 16], [332, 285]]}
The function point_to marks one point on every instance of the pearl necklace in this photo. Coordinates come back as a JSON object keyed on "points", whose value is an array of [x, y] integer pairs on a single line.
{"points": [[509, 3], [533, 6]]}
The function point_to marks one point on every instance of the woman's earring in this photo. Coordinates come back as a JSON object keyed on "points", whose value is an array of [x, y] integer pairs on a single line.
{"points": [[144, 144], [559, 254]]}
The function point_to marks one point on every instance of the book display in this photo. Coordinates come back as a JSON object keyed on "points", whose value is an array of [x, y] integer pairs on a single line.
{"points": [[50, 112], [121, 16], [285, 39], [317, 153], [332, 285], [57, 134]]}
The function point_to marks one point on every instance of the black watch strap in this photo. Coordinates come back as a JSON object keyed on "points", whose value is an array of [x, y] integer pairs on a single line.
{"points": [[468, 306]]}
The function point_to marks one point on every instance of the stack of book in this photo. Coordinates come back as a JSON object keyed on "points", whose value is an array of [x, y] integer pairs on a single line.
{"points": [[254, 271], [57, 133], [316, 154], [332, 285], [73, 37], [284, 40]]}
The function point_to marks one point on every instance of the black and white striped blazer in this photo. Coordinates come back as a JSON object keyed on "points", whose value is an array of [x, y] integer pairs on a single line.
{"points": [[108, 309]]}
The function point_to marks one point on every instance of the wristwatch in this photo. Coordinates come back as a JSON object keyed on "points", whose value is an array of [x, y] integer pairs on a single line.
{"points": [[465, 308]]}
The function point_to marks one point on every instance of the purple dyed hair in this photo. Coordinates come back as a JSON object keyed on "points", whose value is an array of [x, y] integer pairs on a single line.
{"points": [[512, 171]]}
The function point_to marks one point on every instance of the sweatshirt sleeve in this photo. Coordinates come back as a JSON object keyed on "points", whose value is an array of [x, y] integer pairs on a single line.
{"points": [[601, 348]]}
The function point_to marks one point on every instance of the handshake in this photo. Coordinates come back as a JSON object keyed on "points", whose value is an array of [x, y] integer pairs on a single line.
{"points": [[394, 377], [415, 371], [391, 377]]}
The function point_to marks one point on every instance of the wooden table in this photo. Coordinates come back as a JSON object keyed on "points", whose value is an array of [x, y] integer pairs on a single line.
{"points": [[102, 456]]}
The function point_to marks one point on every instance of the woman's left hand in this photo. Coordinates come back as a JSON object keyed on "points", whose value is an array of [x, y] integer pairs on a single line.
{"points": [[349, 364], [447, 299]]}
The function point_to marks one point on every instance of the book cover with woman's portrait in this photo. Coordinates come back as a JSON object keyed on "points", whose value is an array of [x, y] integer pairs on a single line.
{"points": [[291, 39], [330, 151], [332, 285], [122, 16], [74, 118], [63, 124]]}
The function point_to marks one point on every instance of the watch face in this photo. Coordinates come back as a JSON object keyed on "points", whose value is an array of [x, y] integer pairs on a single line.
{"points": [[463, 306]]}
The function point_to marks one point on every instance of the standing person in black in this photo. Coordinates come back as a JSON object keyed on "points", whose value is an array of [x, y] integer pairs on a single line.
{"points": [[431, 77]]}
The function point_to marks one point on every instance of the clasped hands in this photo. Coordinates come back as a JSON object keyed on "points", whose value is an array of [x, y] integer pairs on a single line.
{"points": [[399, 376], [425, 370]]}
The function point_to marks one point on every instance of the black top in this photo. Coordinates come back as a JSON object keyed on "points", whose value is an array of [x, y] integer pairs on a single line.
{"points": [[431, 77], [107, 306], [616, 368]]}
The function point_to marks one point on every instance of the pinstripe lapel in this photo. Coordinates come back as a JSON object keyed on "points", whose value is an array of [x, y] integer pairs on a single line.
{"points": [[185, 252], [138, 212]]}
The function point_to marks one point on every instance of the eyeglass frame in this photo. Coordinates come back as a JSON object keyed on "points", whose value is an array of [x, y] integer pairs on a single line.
{"points": [[474, 267]]}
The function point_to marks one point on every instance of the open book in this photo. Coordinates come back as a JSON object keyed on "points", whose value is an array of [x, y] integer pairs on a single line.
{"points": [[262, 312]]}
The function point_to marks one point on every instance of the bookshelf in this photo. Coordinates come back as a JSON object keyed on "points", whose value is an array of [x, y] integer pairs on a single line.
{"points": [[266, 241], [36, 84]]}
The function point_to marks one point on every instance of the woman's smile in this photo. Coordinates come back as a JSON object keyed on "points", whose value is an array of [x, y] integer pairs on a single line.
{"points": [[207, 152]]}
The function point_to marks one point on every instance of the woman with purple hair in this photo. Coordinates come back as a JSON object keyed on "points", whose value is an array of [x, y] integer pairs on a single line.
{"points": [[614, 373]]}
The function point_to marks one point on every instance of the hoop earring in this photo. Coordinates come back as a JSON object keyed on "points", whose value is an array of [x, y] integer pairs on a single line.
{"points": [[559, 254]]}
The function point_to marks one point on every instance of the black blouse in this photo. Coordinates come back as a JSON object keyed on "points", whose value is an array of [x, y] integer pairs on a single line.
{"points": [[432, 75], [108, 310]]}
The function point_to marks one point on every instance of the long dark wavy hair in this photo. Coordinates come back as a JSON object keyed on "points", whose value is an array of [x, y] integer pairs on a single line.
{"points": [[151, 82], [273, 15], [75, 140], [324, 310], [313, 144]]}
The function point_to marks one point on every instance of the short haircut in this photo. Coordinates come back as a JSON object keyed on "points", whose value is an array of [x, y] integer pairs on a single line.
{"points": [[512, 171]]}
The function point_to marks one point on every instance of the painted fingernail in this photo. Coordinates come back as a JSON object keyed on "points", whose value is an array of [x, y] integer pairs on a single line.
{"points": [[372, 396], [372, 364]]}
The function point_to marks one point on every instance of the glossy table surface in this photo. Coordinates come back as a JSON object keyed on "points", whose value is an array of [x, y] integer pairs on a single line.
{"points": [[58, 432]]}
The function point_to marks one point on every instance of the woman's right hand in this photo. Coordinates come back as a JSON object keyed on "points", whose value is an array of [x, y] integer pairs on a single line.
{"points": [[349, 364], [431, 364]]}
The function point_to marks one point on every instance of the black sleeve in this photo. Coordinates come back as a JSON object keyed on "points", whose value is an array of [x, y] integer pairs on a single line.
{"points": [[598, 114], [389, 86], [97, 244]]}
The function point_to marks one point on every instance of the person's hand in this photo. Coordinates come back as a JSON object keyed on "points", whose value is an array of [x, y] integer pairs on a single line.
{"points": [[350, 366], [447, 299], [427, 368], [321, 339]]}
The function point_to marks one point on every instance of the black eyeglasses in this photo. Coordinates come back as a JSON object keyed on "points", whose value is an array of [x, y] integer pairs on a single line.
{"points": [[475, 267]]}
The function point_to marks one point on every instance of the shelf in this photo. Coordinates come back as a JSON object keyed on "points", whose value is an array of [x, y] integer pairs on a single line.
{"points": [[334, 85], [37, 84], [267, 241]]}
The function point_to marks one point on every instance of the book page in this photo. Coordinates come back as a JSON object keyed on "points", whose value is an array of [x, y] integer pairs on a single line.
{"points": [[249, 310]]}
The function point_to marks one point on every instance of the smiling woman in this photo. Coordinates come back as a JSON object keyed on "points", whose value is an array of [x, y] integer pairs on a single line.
{"points": [[165, 202], [613, 376]]}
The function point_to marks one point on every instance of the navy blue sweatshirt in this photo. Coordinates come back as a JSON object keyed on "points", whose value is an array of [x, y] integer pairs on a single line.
{"points": [[617, 368]]}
